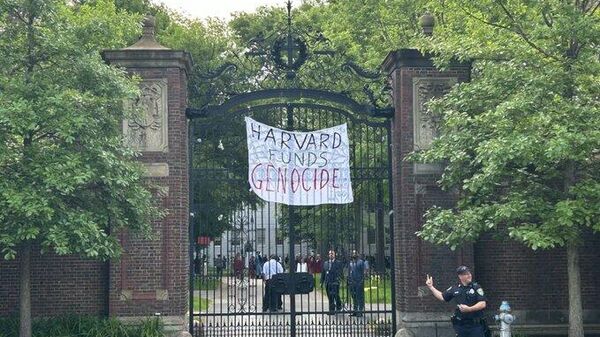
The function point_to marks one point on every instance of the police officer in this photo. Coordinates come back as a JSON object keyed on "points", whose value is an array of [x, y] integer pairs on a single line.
{"points": [[470, 301]]}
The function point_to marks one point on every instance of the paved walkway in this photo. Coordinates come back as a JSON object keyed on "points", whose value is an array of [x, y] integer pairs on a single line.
{"points": [[236, 310]]}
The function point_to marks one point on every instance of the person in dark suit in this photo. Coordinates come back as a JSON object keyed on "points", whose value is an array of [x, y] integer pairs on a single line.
{"points": [[356, 283], [219, 265], [330, 278]]}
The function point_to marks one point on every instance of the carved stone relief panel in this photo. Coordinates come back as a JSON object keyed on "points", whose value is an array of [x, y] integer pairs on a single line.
{"points": [[426, 124], [149, 130]]}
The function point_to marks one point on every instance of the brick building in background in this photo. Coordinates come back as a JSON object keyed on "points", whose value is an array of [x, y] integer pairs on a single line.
{"points": [[152, 276]]}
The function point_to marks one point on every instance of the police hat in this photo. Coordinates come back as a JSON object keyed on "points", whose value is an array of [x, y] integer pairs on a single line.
{"points": [[462, 270]]}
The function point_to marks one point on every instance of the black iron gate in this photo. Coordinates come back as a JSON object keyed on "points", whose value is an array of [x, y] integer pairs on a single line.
{"points": [[233, 232], [228, 290]]}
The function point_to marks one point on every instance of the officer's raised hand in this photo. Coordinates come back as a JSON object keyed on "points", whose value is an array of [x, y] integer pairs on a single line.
{"points": [[436, 293]]}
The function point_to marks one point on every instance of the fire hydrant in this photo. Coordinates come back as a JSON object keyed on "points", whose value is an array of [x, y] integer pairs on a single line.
{"points": [[505, 319]]}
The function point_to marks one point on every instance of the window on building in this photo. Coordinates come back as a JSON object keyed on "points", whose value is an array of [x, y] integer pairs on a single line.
{"points": [[260, 236], [236, 238], [371, 235]]}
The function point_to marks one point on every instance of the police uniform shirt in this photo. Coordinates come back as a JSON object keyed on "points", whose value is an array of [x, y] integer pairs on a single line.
{"points": [[469, 295]]}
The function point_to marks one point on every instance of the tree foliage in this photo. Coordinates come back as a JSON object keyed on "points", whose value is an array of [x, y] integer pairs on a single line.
{"points": [[67, 179], [521, 139], [369, 30]]}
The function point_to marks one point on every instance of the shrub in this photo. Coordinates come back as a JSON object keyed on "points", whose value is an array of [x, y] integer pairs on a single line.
{"points": [[83, 326]]}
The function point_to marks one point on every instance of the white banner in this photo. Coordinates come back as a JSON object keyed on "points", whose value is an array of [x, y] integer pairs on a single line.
{"points": [[299, 168]]}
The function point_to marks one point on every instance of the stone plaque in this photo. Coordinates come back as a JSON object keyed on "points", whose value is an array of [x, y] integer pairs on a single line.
{"points": [[149, 130], [426, 124], [156, 170]]}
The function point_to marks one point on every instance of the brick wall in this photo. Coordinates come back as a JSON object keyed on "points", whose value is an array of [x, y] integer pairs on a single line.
{"points": [[415, 193], [535, 280], [59, 285]]}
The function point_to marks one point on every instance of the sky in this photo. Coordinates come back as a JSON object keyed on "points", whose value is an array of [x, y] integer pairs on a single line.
{"points": [[218, 8]]}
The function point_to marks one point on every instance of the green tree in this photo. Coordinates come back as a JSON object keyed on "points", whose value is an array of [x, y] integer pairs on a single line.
{"points": [[367, 30], [67, 179], [521, 140], [359, 31], [321, 71]]}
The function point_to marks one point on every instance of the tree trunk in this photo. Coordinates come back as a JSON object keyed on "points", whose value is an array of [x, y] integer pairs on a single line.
{"points": [[573, 270], [575, 306], [25, 291]]}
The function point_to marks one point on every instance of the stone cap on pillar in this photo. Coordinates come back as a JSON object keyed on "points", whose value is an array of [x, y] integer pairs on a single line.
{"points": [[148, 39], [413, 58], [148, 53]]}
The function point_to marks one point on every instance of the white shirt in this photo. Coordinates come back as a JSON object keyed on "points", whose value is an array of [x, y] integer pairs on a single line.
{"points": [[301, 268], [271, 268]]}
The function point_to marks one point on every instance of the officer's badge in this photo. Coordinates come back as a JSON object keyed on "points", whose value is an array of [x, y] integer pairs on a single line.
{"points": [[471, 292], [480, 291]]}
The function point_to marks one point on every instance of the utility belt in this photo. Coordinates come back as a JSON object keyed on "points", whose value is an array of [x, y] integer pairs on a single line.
{"points": [[466, 321]]}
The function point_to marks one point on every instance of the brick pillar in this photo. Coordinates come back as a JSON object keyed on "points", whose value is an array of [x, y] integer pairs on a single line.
{"points": [[152, 275], [415, 80]]}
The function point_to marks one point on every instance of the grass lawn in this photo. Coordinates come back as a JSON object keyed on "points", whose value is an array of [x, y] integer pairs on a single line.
{"points": [[201, 304], [377, 289]]}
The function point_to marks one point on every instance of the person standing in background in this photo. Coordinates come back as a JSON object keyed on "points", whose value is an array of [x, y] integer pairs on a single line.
{"points": [[356, 284], [219, 265], [330, 278], [318, 265], [238, 266], [310, 263], [301, 265], [271, 299], [259, 265]]}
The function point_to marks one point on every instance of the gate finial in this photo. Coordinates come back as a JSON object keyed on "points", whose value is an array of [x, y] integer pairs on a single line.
{"points": [[427, 22], [148, 39]]}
